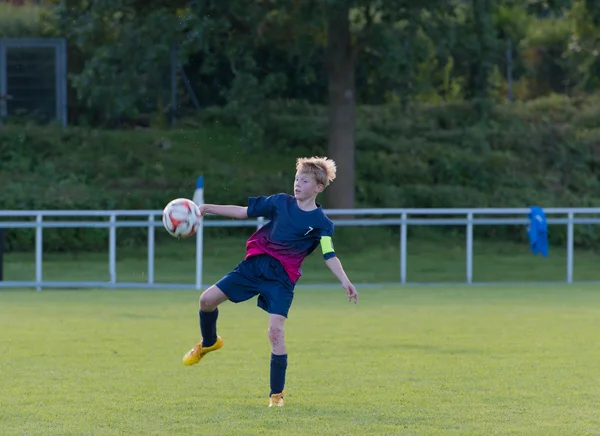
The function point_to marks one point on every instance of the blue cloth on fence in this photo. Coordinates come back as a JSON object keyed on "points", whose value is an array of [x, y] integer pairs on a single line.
{"points": [[538, 231]]}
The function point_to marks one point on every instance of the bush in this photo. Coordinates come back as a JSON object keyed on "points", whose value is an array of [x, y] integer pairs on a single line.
{"points": [[544, 152]]}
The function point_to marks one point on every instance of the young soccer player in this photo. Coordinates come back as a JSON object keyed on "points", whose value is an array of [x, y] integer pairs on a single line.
{"points": [[272, 266]]}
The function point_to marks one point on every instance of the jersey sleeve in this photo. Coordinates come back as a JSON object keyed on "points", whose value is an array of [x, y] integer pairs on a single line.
{"points": [[327, 243], [262, 206]]}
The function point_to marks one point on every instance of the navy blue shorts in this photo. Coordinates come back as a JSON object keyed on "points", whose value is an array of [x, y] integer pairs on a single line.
{"points": [[263, 276]]}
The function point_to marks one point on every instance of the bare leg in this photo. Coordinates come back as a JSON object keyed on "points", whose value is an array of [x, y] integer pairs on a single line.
{"points": [[276, 334], [211, 298], [278, 353]]}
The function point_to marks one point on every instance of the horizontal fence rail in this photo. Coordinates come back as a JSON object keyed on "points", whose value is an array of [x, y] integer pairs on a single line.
{"points": [[151, 219]]}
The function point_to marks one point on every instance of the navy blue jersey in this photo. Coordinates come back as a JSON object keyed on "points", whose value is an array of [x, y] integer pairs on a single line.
{"points": [[291, 234]]}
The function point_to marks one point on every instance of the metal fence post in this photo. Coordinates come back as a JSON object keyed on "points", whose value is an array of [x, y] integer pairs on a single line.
{"points": [[570, 244], [151, 242], [199, 254], [199, 199], [112, 249], [469, 248], [38, 251], [1, 254], [403, 237]]}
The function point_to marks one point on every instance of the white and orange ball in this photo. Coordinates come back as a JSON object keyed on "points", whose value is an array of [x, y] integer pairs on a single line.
{"points": [[181, 218]]}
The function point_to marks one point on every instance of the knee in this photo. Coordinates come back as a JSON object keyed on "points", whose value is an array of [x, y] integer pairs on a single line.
{"points": [[276, 335], [206, 303]]}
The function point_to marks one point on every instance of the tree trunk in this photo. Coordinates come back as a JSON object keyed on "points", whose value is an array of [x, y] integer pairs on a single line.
{"points": [[342, 107]]}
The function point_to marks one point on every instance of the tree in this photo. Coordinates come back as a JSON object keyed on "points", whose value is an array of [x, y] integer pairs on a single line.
{"points": [[341, 58], [391, 28], [125, 47], [390, 40]]}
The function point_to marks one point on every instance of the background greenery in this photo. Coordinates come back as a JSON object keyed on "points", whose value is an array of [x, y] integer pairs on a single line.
{"points": [[540, 152], [439, 123], [239, 56]]}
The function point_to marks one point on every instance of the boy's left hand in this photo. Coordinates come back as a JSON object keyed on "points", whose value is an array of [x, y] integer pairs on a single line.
{"points": [[351, 292]]}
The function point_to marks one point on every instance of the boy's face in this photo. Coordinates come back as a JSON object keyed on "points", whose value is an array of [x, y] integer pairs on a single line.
{"points": [[306, 186]]}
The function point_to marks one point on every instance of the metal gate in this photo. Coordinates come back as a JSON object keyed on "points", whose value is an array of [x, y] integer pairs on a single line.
{"points": [[33, 79]]}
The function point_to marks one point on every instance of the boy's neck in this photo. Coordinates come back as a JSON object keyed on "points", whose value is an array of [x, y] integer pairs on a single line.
{"points": [[308, 204]]}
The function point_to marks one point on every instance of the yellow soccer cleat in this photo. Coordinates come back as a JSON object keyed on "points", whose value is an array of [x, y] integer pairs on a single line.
{"points": [[276, 400], [197, 353]]}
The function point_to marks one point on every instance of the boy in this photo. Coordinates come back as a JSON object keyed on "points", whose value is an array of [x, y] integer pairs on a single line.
{"points": [[272, 266]]}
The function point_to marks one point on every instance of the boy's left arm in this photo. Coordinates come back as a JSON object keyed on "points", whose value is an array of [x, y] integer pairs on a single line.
{"points": [[336, 268]]}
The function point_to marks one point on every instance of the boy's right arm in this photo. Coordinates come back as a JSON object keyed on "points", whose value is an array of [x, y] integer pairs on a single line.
{"points": [[238, 212]]}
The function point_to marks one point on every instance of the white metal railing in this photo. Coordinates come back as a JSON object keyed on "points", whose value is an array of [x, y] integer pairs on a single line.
{"points": [[396, 217]]}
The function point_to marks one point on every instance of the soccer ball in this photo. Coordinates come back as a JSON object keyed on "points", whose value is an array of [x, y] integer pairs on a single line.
{"points": [[181, 218]]}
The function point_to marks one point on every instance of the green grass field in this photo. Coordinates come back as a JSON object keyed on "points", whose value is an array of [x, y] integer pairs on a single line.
{"points": [[404, 361], [370, 256]]}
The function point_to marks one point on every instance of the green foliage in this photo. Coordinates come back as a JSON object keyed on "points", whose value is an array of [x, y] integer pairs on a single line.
{"points": [[547, 69], [541, 152], [80, 169], [240, 56], [584, 41], [21, 21], [121, 77]]}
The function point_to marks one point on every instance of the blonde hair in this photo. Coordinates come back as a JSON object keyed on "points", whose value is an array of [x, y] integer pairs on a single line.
{"points": [[322, 168]]}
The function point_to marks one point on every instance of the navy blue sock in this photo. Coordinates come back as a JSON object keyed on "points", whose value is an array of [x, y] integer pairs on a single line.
{"points": [[278, 368], [208, 327]]}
